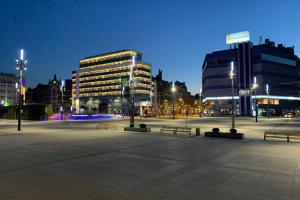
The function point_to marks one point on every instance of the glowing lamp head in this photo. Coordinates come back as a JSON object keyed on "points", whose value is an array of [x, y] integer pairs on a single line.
{"points": [[267, 88], [255, 85], [173, 89], [22, 54], [232, 66], [133, 60]]}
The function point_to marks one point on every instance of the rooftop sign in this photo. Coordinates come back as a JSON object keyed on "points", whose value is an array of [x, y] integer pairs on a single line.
{"points": [[238, 37]]}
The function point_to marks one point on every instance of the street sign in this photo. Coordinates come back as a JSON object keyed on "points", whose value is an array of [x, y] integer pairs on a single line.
{"points": [[244, 92], [238, 37]]}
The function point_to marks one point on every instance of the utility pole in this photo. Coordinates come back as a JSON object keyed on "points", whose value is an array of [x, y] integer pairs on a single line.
{"points": [[21, 65], [231, 76]]}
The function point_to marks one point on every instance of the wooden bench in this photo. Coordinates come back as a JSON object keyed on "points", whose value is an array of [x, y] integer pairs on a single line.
{"points": [[184, 129], [107, 125], [173, 129], [176, 129], [282, 134]]}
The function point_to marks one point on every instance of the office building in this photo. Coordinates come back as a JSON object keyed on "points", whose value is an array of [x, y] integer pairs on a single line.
{"points": [[274, 67], [8, 91], [102, 83]]}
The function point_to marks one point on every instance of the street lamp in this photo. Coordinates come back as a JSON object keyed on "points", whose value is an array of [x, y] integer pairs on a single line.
{"points": [[254, 87], [173, 90], [131, 84], [231, 76], [268, 93], [200, 95], [62, 88], [21, 65]]}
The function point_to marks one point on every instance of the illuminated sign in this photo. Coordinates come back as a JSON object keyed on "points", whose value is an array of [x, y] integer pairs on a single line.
{"points": [[238, 37]]}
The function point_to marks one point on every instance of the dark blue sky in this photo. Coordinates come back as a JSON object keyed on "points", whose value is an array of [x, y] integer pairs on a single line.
{"points": [[173, 35]]}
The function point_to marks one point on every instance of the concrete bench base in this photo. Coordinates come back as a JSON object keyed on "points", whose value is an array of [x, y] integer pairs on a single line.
{"points": [[224, 135], [135, 129]]}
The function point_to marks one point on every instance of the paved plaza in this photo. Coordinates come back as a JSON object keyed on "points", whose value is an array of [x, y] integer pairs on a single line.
{"points": [[74, 160]]}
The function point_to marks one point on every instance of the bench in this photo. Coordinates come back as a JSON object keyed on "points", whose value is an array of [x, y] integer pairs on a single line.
{"points": [[184, 129], [173, 129], [282, 134], [176, 129], [107, 125]]}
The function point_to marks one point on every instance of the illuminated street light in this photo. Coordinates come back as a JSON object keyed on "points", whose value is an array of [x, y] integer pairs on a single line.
{"points": [[232, 76], [21, 65], [173, 90], [131, 84], [62, 88], [254, 87], [268, 93]]}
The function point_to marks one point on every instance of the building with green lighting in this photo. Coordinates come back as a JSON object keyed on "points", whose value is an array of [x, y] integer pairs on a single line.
{"points": [[8, 91]]}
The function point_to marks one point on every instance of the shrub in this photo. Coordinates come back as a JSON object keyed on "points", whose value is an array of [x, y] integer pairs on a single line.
{"points": [[215, 130], [233, 131], [142, 125]]}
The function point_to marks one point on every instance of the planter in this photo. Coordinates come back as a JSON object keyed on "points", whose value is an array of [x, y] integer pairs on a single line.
{"points": [[224, 135], [134, 129], [143, 126]]}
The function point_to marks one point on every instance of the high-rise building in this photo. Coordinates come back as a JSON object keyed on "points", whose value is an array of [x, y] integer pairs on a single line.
{"points": [[8, 91], [101, 84], [275, 68]]}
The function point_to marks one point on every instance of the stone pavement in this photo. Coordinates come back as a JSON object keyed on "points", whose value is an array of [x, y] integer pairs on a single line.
{"points": [[64, 162]]}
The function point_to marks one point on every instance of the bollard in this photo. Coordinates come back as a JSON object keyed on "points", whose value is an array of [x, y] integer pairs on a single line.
{"points": [[197, 131]]}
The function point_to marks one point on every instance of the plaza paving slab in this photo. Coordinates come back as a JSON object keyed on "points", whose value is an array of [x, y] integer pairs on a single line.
{"points": [[74, 160]]}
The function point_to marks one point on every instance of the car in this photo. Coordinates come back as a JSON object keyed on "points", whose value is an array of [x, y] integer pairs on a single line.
{"points": [[288, 115]]}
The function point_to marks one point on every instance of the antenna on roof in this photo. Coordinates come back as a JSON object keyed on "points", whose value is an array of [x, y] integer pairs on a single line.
{"points": [[260, 39]]}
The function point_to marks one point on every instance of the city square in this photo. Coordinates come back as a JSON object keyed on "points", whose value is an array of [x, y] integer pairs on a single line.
{"points": [[149, 100], [74, 160]]}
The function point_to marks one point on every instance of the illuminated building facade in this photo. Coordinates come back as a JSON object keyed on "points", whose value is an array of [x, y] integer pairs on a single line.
{"points": [[8, 91], [102, 82], [275, 66]]}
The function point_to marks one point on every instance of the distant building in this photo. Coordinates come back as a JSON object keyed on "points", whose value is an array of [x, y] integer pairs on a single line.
{"points": [[101, 82], [276, 66], [51, 94], [163, 98], [8, 91]]}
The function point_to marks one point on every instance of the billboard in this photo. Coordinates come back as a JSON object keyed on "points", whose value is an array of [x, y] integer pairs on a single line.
{"points": [[238, 37]]}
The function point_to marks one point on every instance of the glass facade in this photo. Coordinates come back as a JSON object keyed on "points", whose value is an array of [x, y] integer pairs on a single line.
{"points": [[275, 66], [105, 77]]}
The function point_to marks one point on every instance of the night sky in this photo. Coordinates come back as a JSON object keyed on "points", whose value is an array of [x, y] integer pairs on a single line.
{"points": [[172, 35]]}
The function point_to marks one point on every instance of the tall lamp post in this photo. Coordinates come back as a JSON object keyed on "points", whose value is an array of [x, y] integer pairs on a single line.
{"points": [[200, 95], [173, 90], [268, 93], [62, 88], [131, 84], [254, 87], [21, 65], [231, 76]]}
